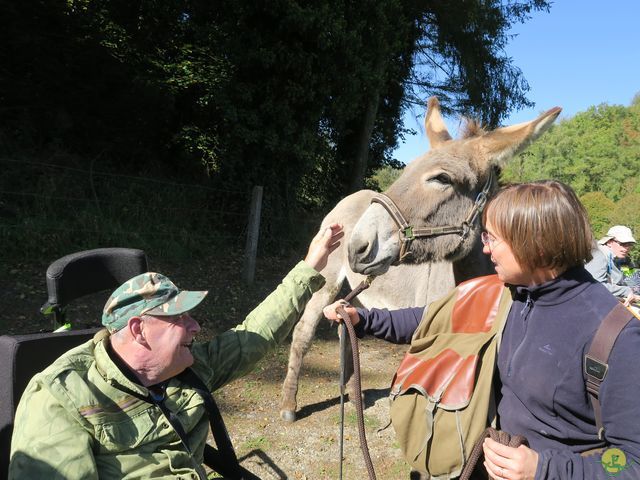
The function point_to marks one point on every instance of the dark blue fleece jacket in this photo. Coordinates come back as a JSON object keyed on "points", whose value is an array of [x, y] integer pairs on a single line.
{"points": [[543, 396]]}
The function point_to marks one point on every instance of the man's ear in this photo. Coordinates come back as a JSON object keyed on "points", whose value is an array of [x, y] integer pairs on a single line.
{"points": [[136, 329]]}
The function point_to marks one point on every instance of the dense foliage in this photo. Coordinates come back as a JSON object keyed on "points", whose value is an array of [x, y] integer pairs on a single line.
{"points": [[597, 152], [303, 97]]}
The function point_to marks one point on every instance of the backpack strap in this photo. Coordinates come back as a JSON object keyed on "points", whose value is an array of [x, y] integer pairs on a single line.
{"points": [[595, 361], [223, 459]]}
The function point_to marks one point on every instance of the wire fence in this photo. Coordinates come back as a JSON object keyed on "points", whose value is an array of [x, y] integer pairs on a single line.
{"points": [[52, 209]]}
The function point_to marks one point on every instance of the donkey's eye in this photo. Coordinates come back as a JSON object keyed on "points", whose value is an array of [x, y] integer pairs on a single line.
{"points": [[441, 178]]}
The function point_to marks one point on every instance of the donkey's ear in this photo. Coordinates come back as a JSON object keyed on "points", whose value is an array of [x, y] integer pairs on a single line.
{"points": [[434, 124], [500, 145]]}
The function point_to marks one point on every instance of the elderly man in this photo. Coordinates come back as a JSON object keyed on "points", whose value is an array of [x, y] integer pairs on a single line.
{"points": [[615, 244], [126, 404]]}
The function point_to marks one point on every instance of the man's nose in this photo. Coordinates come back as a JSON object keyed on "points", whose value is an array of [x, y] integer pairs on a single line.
{"points": [[192, 325]]}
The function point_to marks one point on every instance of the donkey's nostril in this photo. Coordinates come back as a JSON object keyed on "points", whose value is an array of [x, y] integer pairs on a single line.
{"points": [[362, 249], [359, 253]]}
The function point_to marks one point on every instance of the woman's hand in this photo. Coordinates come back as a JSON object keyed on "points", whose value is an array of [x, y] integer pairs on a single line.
{"points": [[330, 312], [503, 462], [325, 242]]}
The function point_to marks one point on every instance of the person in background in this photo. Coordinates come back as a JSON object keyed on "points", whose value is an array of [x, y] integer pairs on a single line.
{"points": [[625, 264], [120, 405], [616, 244], [556, 310]]}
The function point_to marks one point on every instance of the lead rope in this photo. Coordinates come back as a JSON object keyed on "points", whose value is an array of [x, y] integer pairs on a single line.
{"points": [[345, 327], [477, 453]]}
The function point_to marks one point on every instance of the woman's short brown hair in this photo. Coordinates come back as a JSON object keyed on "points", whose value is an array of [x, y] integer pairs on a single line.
{"points": [[544, 223]]}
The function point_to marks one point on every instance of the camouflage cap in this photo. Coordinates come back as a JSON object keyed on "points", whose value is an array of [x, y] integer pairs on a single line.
{"points": [[149, 293]]}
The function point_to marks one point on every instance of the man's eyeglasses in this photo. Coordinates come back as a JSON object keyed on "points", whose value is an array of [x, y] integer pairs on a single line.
{"points": [[488, 239]]}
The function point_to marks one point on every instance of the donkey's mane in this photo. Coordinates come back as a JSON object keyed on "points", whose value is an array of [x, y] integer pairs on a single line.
{"points": [[472, 128]]}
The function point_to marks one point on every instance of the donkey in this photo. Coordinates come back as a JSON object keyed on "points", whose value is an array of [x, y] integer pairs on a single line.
{"points": [[438, 198], [449, 184], [403, 285]]}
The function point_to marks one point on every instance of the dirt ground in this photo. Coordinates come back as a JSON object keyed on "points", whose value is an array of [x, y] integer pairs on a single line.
{"points": [[307, 449]]}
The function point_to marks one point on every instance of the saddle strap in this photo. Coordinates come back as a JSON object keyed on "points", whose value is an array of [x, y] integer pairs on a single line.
{"points": [[471, 471]]}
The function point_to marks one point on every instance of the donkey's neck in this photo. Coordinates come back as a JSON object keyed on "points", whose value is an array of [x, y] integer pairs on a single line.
{"points": [[476, 264]]}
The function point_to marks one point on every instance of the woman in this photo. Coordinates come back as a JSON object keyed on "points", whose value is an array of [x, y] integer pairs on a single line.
{"points": [[538, 237]]}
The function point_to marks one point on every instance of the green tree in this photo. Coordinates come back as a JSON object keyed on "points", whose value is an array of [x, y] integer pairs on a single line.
{"points": [[600, 210], [401, 52], [384, 177], [595, 151], [303, 97], [460, 57]]}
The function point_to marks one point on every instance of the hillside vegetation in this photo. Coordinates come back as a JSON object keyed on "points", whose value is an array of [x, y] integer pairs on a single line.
{"points": [[597, 152]]}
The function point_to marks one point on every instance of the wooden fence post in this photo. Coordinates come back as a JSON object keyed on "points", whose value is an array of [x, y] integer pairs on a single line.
{"points": [[253, 233]]}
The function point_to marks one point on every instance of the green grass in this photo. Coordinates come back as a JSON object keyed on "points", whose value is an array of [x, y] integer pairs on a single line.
{"points": [[252, 390], [351, 419], [256, 443]]}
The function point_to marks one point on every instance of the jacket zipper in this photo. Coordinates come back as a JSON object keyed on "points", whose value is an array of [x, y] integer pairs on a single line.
{"points": [[528, 306]]}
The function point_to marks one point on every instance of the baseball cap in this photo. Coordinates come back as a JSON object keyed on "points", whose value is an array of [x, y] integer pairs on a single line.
{"points": [[149, 293], [619, 233]]}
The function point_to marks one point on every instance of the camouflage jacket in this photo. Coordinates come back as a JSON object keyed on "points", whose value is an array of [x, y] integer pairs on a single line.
{"points": [[74, 422]]}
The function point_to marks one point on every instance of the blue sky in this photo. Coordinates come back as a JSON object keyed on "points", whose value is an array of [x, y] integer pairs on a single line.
{"points": [[581, 53]]}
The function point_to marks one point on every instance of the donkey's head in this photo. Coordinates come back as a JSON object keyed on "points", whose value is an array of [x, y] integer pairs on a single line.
{"points": [[439, 197]]}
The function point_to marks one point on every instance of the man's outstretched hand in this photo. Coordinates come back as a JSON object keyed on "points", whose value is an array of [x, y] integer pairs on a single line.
{"points": [[325, 242]]}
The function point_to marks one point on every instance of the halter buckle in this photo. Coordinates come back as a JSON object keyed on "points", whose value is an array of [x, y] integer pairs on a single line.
{"points": [[465, 230], [407, 234]]}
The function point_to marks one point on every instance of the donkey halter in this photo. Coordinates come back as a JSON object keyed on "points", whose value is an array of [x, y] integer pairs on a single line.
{"points": [[408, 233]]}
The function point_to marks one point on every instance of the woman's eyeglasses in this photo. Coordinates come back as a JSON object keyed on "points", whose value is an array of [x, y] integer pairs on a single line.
{"points": [[488, 239]]}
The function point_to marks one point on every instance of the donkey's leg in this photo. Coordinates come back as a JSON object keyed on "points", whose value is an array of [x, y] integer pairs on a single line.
{"points": [[302, 335]]}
